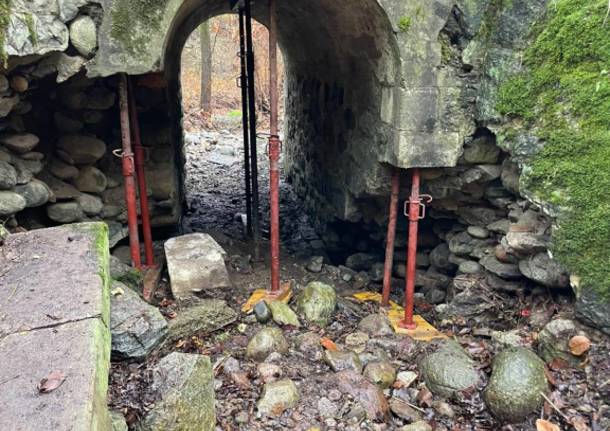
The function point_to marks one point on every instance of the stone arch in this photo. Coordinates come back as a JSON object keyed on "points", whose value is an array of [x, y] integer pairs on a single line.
{"points": [[342, 67]]}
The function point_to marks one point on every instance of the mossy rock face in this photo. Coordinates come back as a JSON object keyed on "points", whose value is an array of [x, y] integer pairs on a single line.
{"points": [[317, 303], [184, 386], [562, 96], [283, 314], [448, 369], [516, 385]]}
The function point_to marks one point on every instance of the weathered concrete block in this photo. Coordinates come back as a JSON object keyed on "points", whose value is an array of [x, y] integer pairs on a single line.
{"points": [[54, 316], [195, 263]]}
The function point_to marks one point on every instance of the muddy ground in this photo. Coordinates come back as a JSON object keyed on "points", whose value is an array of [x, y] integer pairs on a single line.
{"points": [[216, 200]]}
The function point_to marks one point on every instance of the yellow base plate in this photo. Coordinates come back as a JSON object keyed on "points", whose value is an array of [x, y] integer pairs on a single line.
{"points": [[265, 295], [423, 332]]}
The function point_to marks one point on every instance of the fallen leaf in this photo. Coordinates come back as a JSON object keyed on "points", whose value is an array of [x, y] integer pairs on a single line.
{"points": [[328, 344], [558, 364], [579, 344], [544, 425], [424, 398], [579, 423], [51, 382]]}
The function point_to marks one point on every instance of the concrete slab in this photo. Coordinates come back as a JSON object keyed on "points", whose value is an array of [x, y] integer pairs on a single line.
{"points": [[54, 314], [80, 350], [53, 276]]}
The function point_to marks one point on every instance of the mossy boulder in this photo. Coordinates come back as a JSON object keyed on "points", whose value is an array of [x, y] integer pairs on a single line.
{"points": [[200, 317], [283, 314], [278, 396], [516, 385], [317, 303], [183, 385], [553, 341], [447, 369]]}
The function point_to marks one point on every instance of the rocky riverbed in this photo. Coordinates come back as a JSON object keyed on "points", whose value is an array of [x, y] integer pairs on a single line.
{"points": [[512, 357]]}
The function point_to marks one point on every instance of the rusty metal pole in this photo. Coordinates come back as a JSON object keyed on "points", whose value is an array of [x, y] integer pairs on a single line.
{"points": [[243, 83], [414, 205], [391, 236], [140, 158], [256, 230], [274, 150], [128, 174]]}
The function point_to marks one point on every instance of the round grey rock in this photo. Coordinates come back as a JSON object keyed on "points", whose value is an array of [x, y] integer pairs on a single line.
{"points": [[20, 143], [65, 212], [91, 179], [36, 193], [278, 396], [8, 176], [79, 149], [11, 203], [516, 385], [448, 369], [91, 205], [266, 341]]}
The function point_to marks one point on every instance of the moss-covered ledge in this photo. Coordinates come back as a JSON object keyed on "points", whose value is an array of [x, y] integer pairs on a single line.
{"points": [[562, 98]]}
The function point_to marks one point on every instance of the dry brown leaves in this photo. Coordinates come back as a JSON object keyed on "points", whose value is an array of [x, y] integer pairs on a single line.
{"points": [[579, 345], [51, 382], [544, 425]]}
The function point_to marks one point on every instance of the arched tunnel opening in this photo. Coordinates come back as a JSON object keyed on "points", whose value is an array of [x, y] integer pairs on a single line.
{"points": [[341, 70]]}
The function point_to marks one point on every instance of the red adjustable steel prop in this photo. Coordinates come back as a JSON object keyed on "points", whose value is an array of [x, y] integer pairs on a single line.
{"points": [[391, 236], [274, 149], [415, 210], [128, 174], [140, 159]]}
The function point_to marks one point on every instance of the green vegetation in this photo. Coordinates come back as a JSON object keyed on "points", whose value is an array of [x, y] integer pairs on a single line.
{"points": [[564, 95], [404, 23], [133, 21], [5, 19], [29, 22], [235, 113]]}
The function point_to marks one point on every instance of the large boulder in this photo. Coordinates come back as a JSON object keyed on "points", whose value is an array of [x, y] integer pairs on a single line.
{"points": [[195, 263], [516, 385], [266, 341], [204, 316], [278, 396], [317, 302], [448, 369], [183, 385], [136, 326]]}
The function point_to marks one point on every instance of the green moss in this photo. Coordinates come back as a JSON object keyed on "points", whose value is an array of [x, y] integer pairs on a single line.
{"points": [[564, 95], [134, 20], [131, 278], [29, 22], [404, 23], [5, 19]]}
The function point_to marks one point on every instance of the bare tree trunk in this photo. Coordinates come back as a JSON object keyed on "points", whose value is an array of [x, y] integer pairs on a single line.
{"points": [[206, 68]]}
